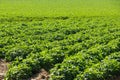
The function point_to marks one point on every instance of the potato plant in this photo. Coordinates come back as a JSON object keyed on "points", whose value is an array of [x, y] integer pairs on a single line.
{"points": [[70, 48]]}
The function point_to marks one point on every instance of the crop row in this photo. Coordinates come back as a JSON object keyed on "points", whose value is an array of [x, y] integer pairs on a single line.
{"points": [[67, 48]]}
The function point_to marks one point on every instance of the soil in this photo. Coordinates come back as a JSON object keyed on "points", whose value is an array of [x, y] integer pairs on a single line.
{"points": [[42, 75], [3, 69], [115, 78]]}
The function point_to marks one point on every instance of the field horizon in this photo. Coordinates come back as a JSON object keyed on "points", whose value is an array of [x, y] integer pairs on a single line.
{"points": [[56, 8]]}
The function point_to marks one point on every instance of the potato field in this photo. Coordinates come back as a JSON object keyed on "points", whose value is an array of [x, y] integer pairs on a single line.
{"points": [[70, 39]]}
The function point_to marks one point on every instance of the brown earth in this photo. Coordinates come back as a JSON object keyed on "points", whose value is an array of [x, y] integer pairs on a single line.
{"points": [[115, 78], [3, 69], [42, 75]]}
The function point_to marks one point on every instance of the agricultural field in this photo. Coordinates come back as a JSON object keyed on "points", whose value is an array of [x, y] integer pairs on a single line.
{"points": [[69, 39]]}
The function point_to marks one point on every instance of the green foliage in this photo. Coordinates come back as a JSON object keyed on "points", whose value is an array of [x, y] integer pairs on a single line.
{"points": [[67, 47], [17, 52], [106, 68], [69, 68], [19, 72]]}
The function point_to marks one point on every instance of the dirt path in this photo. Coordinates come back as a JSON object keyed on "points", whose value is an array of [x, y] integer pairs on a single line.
{"points": [[3, 69]]}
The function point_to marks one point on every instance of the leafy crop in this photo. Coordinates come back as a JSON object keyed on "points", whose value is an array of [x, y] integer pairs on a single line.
{"points": [[71, 39], [74, 48]]}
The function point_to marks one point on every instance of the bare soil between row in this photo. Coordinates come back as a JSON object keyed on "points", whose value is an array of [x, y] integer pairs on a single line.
{"points": [[3, 69]]}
